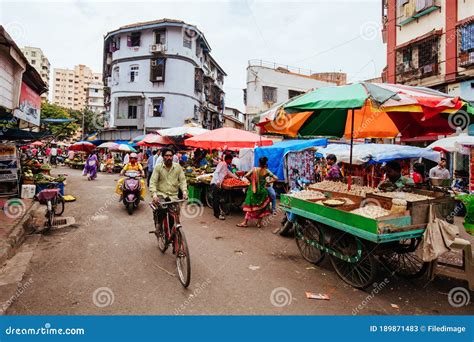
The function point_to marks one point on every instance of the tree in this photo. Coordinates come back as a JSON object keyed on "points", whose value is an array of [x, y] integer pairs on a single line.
{"points": [[59, 130], [93, 122]]}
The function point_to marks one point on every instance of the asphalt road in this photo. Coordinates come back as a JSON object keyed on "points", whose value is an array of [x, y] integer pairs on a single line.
{"points": [[109, 264]]}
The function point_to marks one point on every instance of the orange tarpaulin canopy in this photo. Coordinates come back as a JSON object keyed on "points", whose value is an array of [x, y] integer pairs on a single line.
{"points": [[370, 122], [287, 124]]}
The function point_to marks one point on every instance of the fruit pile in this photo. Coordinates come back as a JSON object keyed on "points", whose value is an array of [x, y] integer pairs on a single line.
{"points": [[233, 182]]}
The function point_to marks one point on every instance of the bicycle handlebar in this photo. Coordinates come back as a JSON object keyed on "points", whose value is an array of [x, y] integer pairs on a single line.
{"points": [[153, 205]]}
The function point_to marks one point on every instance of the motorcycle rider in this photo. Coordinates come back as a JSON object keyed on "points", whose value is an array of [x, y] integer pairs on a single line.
{"points": [[133, 165]]}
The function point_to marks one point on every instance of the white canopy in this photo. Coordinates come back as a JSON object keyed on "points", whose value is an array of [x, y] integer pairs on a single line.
{"points": [[183, 130], [452, 143], [378, 153]]}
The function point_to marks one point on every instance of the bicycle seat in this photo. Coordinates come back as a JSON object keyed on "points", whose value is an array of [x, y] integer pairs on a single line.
{"points": [[47, 194]]}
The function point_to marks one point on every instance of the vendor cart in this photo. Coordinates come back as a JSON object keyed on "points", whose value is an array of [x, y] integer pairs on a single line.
{"points": [[356, 245], [232, 198]]}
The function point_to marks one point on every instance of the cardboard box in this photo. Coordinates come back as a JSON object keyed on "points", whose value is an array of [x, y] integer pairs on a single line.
{"points": [[28, 190]]}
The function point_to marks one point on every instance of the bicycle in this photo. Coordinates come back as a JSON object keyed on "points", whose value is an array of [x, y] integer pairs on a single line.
{"points": [[54, 204], [166, 215]]}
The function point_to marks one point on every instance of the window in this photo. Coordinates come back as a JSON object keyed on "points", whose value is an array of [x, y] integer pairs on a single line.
{"points": [[33, 62], [132, 109], [428, 52], [96, 90], [293, 93], [133, 40], [245, 96], [115, 45], [33, 54], [198, 80], [134, 72], [115, 75], [158, 107], [157, 70], [467, 37], [160, 37], [187, 42], [269, 94]]}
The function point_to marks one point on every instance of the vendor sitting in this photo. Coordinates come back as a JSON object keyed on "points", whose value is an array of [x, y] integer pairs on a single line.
{"points": [[394, 181], [133, 165]]}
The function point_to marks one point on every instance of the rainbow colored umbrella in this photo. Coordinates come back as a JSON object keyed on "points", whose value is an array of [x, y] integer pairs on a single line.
{"points": [[379, 111]]}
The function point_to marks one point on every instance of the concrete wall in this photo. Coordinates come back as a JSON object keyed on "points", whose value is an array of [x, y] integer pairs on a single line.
{"points": [[465, 9], [258, 76], [10, 78]]}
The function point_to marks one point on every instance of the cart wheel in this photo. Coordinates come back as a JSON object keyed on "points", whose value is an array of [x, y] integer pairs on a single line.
{"points": [[358, 274], [403, 261], [309, 231]]}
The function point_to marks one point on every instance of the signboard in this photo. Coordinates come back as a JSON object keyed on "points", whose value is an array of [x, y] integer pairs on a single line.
{"points": [[30, 105]]}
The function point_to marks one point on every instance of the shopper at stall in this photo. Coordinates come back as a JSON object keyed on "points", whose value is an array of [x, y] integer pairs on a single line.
{"points": [[334, 173], [222, 172], [418, 173], [257, 201], [394, 181], [150, 166], [440, 170], [90, 168]]}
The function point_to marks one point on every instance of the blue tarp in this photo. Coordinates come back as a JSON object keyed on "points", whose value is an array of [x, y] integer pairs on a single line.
{"points": [[377, 153], [276, 153], [56, 120]]}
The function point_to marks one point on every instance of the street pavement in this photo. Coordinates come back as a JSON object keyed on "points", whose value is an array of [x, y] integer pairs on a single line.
{"points": [[109, 264]]}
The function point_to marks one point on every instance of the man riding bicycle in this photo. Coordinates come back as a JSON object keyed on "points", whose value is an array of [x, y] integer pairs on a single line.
{"points": [[167, 179]]}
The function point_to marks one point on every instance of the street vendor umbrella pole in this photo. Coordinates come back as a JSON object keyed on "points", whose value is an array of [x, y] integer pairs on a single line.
{"points": [[349, 179]]}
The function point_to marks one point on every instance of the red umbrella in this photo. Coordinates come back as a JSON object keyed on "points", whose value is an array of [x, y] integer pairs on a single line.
{"points": [[84, 146], [227, 137], [155, 140], [37, 143]]}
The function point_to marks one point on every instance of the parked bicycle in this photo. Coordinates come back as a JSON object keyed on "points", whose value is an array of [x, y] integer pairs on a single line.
{"points": [[168, 231], [54, 204]]}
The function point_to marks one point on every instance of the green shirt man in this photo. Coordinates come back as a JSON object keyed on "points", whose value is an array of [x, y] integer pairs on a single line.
{"points": [[167, 179]]}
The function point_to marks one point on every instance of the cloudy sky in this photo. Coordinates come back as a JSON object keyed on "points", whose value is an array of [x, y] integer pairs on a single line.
{"points": [[321, 35]]}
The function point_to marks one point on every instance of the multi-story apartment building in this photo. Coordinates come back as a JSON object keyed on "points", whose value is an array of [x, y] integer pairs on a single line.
{"points": [[95, 97], [70, 87], [232, 117], [270, 83], [40, 62], [161, 74], [430, 43]]}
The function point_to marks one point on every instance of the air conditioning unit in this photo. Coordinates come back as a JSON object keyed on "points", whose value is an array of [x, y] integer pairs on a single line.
{"points": [[157, 48], [159, 78]]}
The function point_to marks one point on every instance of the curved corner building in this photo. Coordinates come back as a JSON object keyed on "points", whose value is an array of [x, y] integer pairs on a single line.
{"points": [[160, 74]]}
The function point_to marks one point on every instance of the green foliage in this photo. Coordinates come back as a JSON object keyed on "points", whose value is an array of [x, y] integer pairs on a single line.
{"points": [[61, 130], [92, 122]]}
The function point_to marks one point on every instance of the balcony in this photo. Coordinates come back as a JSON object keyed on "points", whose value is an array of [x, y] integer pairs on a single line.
{"points": [[413, 10]]}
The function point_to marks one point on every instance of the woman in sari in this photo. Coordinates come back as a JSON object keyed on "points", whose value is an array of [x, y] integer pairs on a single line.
{"points": [[91, 166], [257, 201]]}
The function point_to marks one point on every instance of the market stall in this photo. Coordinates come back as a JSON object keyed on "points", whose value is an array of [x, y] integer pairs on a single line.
{"points": [[291, 160], [359, 229]]}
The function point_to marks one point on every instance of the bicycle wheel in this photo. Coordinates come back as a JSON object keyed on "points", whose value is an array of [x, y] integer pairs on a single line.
{"points": [[49, 217], [183, 260], [59, 205], [160, 235]]}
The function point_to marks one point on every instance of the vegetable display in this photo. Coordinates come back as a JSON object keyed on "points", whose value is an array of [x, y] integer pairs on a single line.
{"points": [[356, 190]]}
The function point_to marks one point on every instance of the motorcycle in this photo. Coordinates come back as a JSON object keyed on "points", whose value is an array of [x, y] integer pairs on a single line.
{"points": [[131, 190]]}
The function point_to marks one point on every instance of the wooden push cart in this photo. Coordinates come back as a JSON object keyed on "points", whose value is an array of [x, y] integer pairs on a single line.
{"points": [[356, 245]]}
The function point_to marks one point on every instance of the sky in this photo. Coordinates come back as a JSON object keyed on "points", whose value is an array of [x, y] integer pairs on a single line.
{"points": [[321, 35]]}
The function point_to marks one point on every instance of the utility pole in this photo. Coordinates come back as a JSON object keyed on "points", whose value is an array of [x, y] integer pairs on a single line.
{"points": [[83, 126]]}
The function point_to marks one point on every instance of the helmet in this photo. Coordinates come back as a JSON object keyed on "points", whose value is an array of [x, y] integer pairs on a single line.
{"points": [[133, 155]]}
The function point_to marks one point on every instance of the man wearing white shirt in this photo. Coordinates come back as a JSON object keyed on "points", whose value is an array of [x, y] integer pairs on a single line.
{"points": [[222, 172]]}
